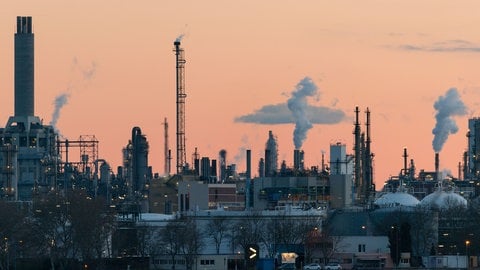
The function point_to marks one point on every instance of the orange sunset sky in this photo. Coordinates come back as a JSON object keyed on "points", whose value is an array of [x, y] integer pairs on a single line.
{"points": [[115, 62]]}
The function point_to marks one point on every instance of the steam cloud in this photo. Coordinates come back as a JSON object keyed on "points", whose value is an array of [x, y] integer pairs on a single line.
{"points": [[298, 106], [296, 110], [447, 107]]}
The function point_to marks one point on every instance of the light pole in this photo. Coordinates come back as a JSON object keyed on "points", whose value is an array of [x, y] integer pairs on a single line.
{"points": [[467, 243]]}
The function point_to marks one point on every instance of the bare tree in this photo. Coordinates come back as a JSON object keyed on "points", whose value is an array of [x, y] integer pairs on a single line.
{"points": [[217, 229], [247, 231], [191, 238], [170, 237], [51, 230], [11, 227], [91, 224], [422, 230]]}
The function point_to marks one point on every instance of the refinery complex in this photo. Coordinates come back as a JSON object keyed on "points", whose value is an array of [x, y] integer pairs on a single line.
{"points": [[332, 212]]}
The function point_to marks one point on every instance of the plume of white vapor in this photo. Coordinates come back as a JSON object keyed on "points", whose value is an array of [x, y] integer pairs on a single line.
{"points": [[60, 101], [298, 106], [179, 38], [447, 107]]}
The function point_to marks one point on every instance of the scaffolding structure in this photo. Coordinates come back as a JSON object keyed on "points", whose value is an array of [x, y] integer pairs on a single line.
{"points": [[88, 146]]}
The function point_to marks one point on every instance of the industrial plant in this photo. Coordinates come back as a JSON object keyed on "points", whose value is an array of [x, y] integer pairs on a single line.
{"points": [[208, 215]]}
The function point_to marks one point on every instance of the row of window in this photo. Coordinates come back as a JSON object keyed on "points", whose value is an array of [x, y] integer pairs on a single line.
{"points": [[182, 262], [170, 262], [25, 141]]}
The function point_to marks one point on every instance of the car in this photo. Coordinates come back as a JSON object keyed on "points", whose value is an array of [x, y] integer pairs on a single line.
{"points": [[312, 266], [287, 266], [332, 266]]}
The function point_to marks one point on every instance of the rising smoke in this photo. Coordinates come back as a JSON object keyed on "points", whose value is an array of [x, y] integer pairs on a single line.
{"points": [[297, 111], [298, 106], [179, 38], [447, 107], [87, 74], [280, 114], [241, 152], [60, 101]]}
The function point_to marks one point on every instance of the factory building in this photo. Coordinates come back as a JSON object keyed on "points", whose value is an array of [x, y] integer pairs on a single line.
{"points": [[28, 153], [341, 176]]}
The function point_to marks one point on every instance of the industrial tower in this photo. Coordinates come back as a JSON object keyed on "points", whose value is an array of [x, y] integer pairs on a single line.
{"points": [[363, 160], [27, 147], [180, 68]]}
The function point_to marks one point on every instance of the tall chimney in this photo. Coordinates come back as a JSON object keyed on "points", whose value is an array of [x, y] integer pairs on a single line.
{"points": [[249, 164], [24, 68], [437, 162], [405, 157]]}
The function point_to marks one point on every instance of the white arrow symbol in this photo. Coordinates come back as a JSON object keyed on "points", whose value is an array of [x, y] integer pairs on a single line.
{"points": [[254, 252]]}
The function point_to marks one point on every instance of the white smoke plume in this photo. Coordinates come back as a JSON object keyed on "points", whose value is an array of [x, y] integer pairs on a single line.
{"points": [[298, 106], [179, 38], [241, 152], [447, 107], [87, 74], [60, 101]]}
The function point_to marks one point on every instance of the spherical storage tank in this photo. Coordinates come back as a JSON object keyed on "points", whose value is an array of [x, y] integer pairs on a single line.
{"points": [[396, 199], [443, 200]]}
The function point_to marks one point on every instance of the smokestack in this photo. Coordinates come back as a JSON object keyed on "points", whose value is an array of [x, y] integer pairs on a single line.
{"points": [[249, 164], [298, 157], [180, 90], [437, 162], [405, 157], [24, 68], [223, 164]]}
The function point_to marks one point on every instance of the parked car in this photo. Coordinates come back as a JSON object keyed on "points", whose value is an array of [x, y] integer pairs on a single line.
{"points": [[312, 266], [287, 266], [333, 266]]}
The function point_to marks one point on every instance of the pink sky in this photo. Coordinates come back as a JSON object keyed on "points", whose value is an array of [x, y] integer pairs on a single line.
{"points": [[395, 57]]}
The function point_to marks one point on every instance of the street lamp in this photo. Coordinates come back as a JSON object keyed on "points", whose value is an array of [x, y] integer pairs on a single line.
{"points": [[467, 243]]}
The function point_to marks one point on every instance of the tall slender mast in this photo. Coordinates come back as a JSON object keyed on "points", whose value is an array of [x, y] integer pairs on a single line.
{"points": [[358, 157], [167, 156], [180, 68]]}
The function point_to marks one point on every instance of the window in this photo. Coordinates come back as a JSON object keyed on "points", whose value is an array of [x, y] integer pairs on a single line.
{"points": [[23, 141], [361, 248], [207, 262]]}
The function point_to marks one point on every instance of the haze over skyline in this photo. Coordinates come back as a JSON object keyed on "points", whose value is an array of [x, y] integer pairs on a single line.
{"points": [[103, 67]]}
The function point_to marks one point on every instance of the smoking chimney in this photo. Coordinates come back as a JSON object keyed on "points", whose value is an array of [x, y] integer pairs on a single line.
{"points": [[24, 67], [437, 162], [298, 157], [180, 90]]}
